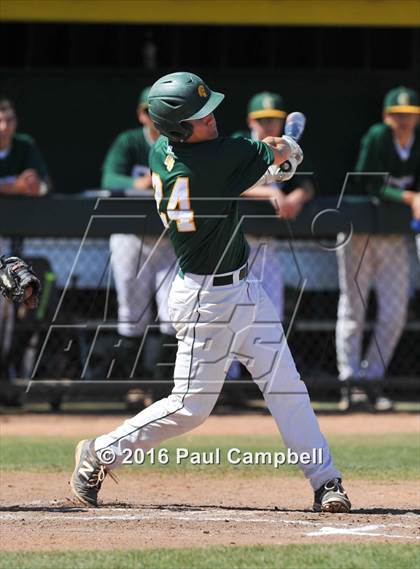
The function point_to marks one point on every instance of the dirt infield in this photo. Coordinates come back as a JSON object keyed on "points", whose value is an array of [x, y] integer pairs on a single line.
{"points": [[180, 509], [173, 511], [247, 424]]}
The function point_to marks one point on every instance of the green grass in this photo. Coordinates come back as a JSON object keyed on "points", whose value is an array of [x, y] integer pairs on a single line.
{"points": [[334, 556], [379, 457], [120, 407]]}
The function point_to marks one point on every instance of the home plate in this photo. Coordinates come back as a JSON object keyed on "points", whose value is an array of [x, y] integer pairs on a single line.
{"points": [[368, 531]]}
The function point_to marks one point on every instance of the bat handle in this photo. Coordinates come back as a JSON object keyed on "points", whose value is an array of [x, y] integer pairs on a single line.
{"points": [[286, 166]]}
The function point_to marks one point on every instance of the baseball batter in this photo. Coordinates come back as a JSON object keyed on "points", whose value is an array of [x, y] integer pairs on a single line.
{"points": [[141, 270], [379, 261], [217, 311]]}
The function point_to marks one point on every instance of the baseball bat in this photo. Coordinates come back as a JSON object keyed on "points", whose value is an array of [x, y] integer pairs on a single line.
{"points": [[294, 127]]}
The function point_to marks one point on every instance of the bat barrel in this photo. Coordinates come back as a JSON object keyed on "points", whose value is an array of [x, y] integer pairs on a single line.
{"points": [[295, 125]]}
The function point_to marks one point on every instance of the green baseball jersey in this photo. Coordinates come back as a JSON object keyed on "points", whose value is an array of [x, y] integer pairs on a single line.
{"points": [[194, 185], [22, 155], [126, 160], [378, 153]]}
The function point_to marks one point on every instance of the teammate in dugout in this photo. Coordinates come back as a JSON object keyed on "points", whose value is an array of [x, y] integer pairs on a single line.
{"points": [[392, 146], [141, 270], [22, 172], [217, 311], [266, 116], [22, 168]]}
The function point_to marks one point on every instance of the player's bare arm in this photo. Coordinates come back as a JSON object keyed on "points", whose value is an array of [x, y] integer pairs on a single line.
{"points": [[415, 205], [294, 203], [275, 195], [297, 198], [27, 183], [8, 188], [306, 188], [143, 182], [286, 206], [412, 199]]}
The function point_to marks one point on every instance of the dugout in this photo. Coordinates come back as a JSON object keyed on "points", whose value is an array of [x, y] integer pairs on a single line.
{"points": [[83, 73]]}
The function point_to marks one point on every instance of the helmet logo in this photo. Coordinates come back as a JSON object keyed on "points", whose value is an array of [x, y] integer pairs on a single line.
{"points": [[403, 98], [202, 91]]}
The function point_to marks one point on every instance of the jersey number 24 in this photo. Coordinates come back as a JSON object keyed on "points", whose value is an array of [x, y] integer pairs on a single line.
{"points": [[179, 207]]}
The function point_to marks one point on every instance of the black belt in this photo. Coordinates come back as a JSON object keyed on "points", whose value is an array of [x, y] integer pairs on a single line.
{"points": [[225, 279]]}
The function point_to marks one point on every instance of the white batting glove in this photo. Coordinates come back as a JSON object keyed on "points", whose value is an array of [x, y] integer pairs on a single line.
{"points": [[280, 173], [295, 149], [287, 169]]}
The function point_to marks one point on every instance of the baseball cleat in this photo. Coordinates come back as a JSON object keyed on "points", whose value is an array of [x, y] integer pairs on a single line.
{"points": [[383, 403], [377, 398], [332, 498], [353, 396], [345, 402], [88, 474]]}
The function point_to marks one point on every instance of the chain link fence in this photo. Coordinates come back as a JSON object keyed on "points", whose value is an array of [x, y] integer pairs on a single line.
{"points": [[61, 340]]}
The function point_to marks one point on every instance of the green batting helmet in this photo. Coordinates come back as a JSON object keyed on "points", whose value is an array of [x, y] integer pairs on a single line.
{"points": [[180, 97]]}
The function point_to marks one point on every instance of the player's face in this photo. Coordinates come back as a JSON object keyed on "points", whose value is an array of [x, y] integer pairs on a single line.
{"points": [[402, 122], [7, 127], [204, 129], [266, 127]]}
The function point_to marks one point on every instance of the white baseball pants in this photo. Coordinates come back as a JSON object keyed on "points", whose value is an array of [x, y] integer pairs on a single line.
{"points": [[142, 271], [368, 261], [265, 266], [214, 324]]}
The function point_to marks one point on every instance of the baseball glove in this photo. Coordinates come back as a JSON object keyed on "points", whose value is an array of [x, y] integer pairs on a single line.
{"points": [[18, 283]]}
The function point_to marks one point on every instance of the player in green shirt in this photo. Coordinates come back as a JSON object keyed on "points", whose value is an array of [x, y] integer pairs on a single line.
{"points": [[22, 168], [22, 172], [389, 158], [217, 312], [126, 163], [142, 271], [266, 113], [393, 147]]}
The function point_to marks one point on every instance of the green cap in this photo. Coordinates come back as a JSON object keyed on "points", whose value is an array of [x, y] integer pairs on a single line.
{"points": [[143, 101], [402, 100], [266, 105]]}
